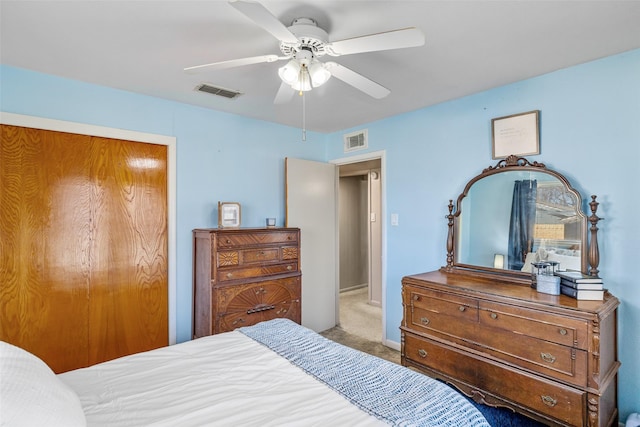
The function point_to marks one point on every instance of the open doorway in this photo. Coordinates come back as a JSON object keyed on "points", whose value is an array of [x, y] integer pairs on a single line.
{"points": [[360, 263]]}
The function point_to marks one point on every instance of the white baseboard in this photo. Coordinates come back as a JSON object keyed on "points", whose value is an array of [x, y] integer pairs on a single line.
{"points": [[392, 344]]}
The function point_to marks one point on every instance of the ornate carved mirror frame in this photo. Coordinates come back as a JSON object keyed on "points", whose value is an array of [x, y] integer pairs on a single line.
{"points": [[488, 191]]}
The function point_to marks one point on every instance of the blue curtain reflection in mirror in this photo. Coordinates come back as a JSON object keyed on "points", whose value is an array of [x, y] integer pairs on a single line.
{"points": [[523, 218]]}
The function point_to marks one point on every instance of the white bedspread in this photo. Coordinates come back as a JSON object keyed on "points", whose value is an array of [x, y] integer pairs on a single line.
{"points": [[226, 380]]}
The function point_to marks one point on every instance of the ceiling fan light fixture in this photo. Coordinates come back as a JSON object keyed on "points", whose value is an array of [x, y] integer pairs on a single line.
{"points": [[319, 74], [303, 82], [290, 72]]}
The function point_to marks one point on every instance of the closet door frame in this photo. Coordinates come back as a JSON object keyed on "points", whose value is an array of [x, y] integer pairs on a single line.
{"points": [[106, 132]]}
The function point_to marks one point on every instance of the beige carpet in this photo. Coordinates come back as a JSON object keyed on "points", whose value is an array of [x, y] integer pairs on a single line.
{"points": [[338, 335], [361, 326], [359, 318]]}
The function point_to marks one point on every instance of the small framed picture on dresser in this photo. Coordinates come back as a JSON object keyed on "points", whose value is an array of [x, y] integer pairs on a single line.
{"points": [[229, 214]]}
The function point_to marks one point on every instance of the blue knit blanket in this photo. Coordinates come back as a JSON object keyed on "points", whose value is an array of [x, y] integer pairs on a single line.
{"points": [[388, 391]]}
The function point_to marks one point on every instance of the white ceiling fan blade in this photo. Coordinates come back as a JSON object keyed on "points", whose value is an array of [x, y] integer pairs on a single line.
{"points": [[356, 80], [397, 39], [284, 95], [233, 63], [261, 16]]}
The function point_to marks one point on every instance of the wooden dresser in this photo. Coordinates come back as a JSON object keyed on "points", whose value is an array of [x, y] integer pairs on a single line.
{"points": [[550, 357], [243, 276]]}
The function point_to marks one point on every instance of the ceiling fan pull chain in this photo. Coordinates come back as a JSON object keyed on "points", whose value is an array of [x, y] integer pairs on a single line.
{"points": [[304, 116]]}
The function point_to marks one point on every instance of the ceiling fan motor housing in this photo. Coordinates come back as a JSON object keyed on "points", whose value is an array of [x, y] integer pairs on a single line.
{"points": [[310, 37]]}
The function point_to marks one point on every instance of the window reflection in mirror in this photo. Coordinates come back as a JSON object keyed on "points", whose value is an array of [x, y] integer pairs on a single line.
{"points": [[486, 216]]}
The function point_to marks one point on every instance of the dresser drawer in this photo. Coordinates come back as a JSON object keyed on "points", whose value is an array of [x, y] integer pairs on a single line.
{"points": [[227, 274], [550, 359], [287, 309], [240, 239], [441, 313], [441, 303], [248, 257], [546, 326], [544, 397], [255, 297]]}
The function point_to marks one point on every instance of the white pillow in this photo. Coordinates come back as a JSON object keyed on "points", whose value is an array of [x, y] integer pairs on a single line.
{"points": [[566, 262], [32, 395]]}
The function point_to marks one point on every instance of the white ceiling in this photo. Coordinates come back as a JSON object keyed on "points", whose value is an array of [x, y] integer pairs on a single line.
{"points": [[143, 45]]}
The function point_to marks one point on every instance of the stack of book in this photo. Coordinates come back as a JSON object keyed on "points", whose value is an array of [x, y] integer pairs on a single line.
{"points": [[580, 286]]}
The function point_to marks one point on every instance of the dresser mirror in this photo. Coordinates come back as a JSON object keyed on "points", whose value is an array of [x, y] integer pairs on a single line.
{"points": [[516, 213]]}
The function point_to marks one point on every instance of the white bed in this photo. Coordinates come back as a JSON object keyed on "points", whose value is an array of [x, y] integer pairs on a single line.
{"points": [[229, 379]]}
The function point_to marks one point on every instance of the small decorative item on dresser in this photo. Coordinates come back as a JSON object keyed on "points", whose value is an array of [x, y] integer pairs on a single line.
{"points": [[545, 280], [271, 222], [229, 214], [548, 284]]}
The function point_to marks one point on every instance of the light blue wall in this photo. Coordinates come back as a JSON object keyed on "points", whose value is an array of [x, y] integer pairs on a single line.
{"points": [[590, 132], [219, 156]]}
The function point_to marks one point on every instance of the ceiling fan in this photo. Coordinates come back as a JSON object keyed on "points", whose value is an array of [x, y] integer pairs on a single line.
{"points": [[302, 43]]}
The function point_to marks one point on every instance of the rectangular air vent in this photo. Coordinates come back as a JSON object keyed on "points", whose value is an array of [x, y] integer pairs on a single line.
{"points": [[356, 141], [219, 91]]}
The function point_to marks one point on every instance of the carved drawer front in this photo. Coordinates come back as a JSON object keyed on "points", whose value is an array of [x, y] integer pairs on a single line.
{"points": [[554, 360], [245, 305], [289, 252], [248, 257], [254, 238], [225, 275], [286, 309], [255, 297], [549, 327], [545, 397]]}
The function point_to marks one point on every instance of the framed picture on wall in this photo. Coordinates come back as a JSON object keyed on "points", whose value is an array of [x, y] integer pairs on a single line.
{"points": [[229, 214], [517, 134]]}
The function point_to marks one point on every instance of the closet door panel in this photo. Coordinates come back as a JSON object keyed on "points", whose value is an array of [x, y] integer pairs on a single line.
{"points": [[83, 246], [45, 244], [128, 286]]}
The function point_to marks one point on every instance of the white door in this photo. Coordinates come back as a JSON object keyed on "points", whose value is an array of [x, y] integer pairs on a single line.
{"points": [[311, 206]]}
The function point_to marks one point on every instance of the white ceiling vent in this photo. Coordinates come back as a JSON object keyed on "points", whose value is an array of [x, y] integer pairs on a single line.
{"points": [[356, 141], [214, 90]]}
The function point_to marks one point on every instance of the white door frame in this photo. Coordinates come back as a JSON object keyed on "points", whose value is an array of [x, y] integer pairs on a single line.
{"points": [[374, 155]]}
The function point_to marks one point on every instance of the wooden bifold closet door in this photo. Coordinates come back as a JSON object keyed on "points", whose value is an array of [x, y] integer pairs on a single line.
{"points": [[83, 246]]}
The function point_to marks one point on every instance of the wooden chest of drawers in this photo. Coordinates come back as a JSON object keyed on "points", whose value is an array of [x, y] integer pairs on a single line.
{"points": [[244, 276], [550, 357]]}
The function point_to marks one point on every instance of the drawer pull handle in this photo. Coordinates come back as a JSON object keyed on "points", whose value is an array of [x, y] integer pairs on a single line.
{"points": [[462, 308], [289, 237], [422, 353], [235, 322], [289, 267], [548, 357], [416, 297], [228, 241], [494, 316], [563, 331], [229, 275], [260, 307], [424, 320], [549, 401]]}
